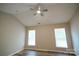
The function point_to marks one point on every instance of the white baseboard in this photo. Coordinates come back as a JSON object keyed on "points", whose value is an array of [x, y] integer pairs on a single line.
{"points": [[50, 50], [16, 52]]}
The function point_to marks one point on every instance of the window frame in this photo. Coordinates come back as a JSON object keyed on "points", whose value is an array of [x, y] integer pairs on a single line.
{"points": [[28, 38], [65, 37]]}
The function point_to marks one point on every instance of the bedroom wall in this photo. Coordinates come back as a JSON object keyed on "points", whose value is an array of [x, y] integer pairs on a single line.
{"points": [[45, 38], [75, 32], [12, 34]]}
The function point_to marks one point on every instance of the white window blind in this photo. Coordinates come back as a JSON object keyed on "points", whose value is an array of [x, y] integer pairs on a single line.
{"points": [[31, 38], [60, 37]]}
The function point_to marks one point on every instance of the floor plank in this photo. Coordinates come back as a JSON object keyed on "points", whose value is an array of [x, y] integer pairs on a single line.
{"points": [[41, 53]]}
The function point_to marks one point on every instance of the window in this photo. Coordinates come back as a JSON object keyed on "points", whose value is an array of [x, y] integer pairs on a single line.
{"points": [[60, 37], [31, 38]]}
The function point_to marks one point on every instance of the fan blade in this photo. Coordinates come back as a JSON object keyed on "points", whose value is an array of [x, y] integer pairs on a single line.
{"points": [[41, 14], [45, 10], [35, 13], [31, 9]]}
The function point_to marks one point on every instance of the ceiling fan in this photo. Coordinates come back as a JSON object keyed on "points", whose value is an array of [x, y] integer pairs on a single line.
{"points": [[39, 9]]}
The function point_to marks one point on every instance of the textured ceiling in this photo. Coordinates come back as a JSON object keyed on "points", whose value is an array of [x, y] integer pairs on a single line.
{"points": [[57, 13]]}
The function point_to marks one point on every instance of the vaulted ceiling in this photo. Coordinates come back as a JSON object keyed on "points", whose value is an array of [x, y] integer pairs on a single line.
{"points": [[57, 12]]}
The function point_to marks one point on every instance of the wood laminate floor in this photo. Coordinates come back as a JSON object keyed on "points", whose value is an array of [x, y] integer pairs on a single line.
{"points": [[41, 53]]}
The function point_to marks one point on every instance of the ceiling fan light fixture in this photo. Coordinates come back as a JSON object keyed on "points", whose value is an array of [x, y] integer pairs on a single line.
{"points": [[38, 11]]}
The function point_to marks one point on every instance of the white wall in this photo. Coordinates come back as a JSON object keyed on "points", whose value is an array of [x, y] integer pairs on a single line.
{"points": [[45, 38], [75, 32], [12, 34]]}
